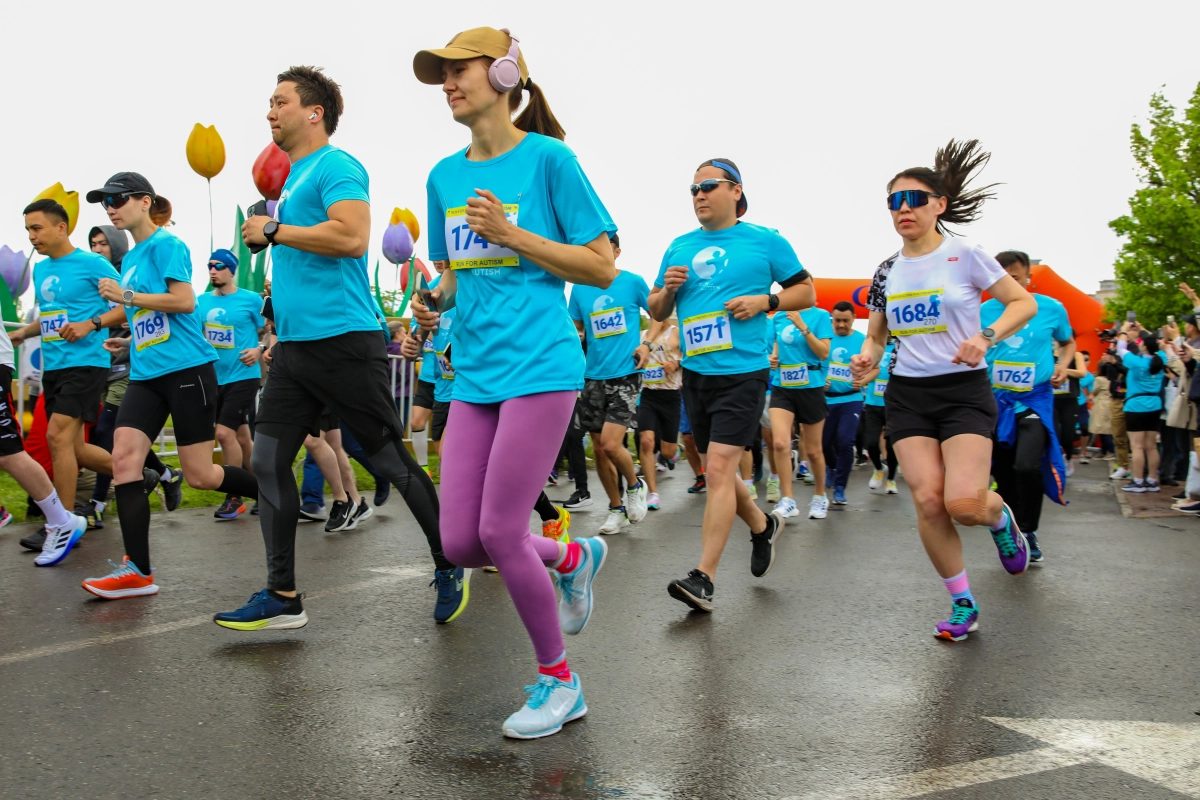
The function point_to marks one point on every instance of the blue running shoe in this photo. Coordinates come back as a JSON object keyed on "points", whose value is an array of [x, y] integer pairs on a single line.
{"points": [[60, 541], [839, 495], [1035, 550], [264, 610], [453, 591], [576, 604], [552, 703]]}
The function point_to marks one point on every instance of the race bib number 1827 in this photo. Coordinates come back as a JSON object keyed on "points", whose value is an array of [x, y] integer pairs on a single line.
{"points": [[468, 251], [793, 376]]}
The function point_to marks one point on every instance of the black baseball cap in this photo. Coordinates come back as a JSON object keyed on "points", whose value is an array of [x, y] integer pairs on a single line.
{"points": [[122, 183]]}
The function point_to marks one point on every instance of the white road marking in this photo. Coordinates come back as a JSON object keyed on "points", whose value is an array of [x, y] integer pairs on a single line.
{"points": [[391, 574], [1161, 753]]}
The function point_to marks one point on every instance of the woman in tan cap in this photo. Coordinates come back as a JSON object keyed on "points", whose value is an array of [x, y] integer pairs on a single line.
{"points": [[515, 217]]}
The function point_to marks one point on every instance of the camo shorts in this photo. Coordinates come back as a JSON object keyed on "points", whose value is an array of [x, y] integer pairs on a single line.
{"points": [[613, 400]]}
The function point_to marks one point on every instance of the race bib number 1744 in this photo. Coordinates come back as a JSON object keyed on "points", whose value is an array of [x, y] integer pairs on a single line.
{"points": [[468, 251]]}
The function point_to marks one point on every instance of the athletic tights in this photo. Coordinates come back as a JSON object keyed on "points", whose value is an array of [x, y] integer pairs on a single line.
{"points": [[1018, 472], [874, 423], [486, 501]]}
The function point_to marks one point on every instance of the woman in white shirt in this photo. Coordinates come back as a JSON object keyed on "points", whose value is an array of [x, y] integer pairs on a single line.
{"points": [[940, 407]]}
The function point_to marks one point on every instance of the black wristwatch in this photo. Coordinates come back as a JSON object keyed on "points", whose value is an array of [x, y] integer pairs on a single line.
{"points": [[270, 229], [772, 302], [96, 321]]}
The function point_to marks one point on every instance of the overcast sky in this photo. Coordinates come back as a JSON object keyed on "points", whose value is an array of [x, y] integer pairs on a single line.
{"points": [[819, 104]]}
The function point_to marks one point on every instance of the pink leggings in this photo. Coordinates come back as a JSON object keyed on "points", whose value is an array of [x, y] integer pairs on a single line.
{"points": [[495, 459]]}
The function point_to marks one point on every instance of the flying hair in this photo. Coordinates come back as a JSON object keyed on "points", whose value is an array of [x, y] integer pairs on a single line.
{"points": [[954, 168]]}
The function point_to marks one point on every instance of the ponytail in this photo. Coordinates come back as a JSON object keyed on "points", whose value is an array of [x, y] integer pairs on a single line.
{"points": [[537, 116], [160, 211], [953, 170]]}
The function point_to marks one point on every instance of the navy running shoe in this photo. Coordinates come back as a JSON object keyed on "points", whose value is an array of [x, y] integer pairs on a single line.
{"points": [[453, 591], [173, 490], [263, 610]]}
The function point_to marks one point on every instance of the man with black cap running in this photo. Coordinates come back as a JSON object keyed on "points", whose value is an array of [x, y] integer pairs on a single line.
{"points": [[232, 322]]}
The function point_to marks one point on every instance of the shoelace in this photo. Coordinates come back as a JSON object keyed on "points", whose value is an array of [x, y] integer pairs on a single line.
{"points": [[540, 692], [961, 615], [1005, 541], [566, 582], [445, 584], [121, 570], [259, 598]]}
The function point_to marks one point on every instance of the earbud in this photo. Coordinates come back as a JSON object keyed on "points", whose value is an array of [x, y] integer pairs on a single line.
{"points": [[312, 115]]}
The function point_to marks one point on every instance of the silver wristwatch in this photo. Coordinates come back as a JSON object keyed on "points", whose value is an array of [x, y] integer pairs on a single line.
{"points": [[127, 297], [990, 335]]}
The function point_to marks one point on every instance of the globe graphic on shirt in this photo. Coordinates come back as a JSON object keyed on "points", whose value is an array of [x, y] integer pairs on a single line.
{"points": [[444, 323], [602, 302], [709, 261], [840, 355], [789, 334], [48, 288], [216, 316]]}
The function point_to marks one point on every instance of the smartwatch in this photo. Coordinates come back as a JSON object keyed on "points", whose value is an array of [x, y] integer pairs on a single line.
{"points": [[127, 297], [990, 335], [772, 302], [96, 321], [270, 229]]}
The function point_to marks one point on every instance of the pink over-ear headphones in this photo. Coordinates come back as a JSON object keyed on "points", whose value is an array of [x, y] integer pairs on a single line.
{"points": [[505, 72]]}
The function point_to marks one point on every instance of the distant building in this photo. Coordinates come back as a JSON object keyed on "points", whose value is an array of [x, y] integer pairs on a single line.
{"points": [[1108, 290]]}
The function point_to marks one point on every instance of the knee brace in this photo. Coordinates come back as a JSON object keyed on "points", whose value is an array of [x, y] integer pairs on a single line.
{"points": [[969, 511]]}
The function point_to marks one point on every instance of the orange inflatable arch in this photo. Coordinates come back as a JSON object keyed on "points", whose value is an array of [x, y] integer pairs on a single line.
{"points": [[1085, 313]]}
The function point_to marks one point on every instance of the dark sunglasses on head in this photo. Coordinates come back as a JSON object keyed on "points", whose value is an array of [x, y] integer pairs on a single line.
{"points": [[914, 198], [118, 200], [709, 185]]}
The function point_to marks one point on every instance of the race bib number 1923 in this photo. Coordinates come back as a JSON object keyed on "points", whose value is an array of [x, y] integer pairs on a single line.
{"points": [[150, 328], [610, 322], [911, 313], [1014, 376], [706, 333], [654, 375], [468, 251]]}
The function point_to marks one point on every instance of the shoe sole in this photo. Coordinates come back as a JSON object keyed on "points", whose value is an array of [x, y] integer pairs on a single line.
{"points": [[595, 572], [686, 597], [235, 515], [605, 532], [636, 517], [370, 512], [343, 527], [282, 622], [465, 599], [74, 540], [946, 635], [574, 715], [580, 504], [121, 594], [309, 518]]}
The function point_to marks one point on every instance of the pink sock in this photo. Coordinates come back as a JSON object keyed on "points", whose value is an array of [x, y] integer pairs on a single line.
{"points": [[559, 670], [570, 560], [958, 587]]}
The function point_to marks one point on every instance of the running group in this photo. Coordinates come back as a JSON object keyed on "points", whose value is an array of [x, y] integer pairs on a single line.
{"points": [[736, 360]]}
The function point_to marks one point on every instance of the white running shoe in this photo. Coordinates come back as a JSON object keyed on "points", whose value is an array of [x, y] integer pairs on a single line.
{"points": [[786, 508], [753, 490], [60, 541], [551, 704], [614, 522], [876, 479], [1119, 474], [891, 488], [772, 490], [1071, 468], [819, 507], [636, 502], [653, 501]]}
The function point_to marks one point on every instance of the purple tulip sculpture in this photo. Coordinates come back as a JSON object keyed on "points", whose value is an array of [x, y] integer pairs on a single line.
{"points": [[397, 244], [15, 270]]}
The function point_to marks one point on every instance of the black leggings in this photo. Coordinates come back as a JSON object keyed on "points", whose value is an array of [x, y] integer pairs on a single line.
{"points": [[1018, 472], [275, 448], [102, 436], [1066, 415], [874, 424]]}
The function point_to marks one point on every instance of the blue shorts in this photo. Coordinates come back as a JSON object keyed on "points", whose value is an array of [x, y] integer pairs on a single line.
{"points": [[684, 425]]}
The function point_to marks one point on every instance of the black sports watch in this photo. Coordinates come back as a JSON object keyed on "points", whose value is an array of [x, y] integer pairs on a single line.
{"points": [[772, 302], [270, 229], [96, 321]]}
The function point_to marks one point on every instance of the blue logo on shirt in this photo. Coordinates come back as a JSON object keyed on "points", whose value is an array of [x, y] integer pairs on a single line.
{"points": [[709, 261], [49, 287], [602, 302]]}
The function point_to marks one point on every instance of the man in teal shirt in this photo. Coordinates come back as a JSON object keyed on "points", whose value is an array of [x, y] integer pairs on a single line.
{"points": [[844, 397]]}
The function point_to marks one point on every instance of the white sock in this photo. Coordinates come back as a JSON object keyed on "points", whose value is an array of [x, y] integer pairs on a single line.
{"points": [[420, 442], [774, 477], [167, 477], [748, 483], [99, 505], [56, 515]]}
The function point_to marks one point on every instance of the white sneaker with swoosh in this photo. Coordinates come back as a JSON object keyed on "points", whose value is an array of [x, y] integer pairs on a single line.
{"points": [[552, 703]]}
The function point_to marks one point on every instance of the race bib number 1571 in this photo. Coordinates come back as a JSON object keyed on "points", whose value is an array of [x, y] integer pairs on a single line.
{"points": [[706, 333]]}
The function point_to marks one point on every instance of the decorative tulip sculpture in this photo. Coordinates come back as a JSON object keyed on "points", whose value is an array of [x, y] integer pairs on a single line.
{"points": [[270, 170], [398, 242], [68, 200], [206, 157], [12, 270]]}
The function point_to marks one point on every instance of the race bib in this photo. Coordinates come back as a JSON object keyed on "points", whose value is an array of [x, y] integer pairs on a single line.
{"points": [[705, 333], [150, 328], [911, 313], [444, 367], [610, 322], [1014, 376], [428, 346], [793, 376], [880, 388], [654, 374], [1064, 389], [220, 336], [840, 372], [468, 251], [52, 322]]}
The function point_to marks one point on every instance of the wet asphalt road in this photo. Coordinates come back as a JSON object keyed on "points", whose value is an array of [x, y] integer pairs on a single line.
{"points": [[819, 680]]}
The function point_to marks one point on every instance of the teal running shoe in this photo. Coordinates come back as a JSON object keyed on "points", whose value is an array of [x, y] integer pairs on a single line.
{"points": [[552, 703], [577, 602]]}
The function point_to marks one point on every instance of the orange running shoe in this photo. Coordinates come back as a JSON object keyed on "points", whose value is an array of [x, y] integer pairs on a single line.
{"points": [[125, 581], [557, 528]]}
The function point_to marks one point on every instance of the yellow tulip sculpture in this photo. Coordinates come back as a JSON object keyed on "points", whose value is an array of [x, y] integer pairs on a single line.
{"points": [[68, 200], [409, 219], [206, 157]]}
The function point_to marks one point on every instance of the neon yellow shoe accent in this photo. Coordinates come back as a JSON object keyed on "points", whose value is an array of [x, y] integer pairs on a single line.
{"points": [[244, 626], [462, 606]]}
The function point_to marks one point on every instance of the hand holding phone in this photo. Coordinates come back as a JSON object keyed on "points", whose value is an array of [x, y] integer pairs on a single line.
{"points": [[258, 209]]}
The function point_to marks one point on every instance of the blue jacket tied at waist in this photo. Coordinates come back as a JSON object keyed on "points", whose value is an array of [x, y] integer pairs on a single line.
{"points": [[1039, 400]]}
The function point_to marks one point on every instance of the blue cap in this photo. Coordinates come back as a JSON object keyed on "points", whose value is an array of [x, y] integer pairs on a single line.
{"points": [[742, 204], [225, 258]]}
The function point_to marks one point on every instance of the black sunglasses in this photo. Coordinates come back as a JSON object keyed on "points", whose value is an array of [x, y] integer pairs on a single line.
{"points": [[709, 185], [118, 200], [914, 197]]}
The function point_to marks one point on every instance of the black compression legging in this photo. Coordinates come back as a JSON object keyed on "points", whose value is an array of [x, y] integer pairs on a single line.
{"points": [[1018, 472], [275, 449], [874, 421]]}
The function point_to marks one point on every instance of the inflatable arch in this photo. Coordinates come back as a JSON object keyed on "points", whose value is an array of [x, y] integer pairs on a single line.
{"points": [[1086, 314]]}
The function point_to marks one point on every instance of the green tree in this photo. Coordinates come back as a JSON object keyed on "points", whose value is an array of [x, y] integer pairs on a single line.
{"points": [[1162, 228]]}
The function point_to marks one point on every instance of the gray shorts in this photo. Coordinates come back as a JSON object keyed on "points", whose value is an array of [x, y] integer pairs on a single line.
{"points": [[613, 400]]}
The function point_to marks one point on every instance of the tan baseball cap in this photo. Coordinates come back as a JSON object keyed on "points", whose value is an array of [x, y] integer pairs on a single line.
{"points": [[474, 43]]}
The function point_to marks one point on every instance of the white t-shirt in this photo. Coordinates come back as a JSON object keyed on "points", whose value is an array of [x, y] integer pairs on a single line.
{"points": [[6, 348], [932, 304]]}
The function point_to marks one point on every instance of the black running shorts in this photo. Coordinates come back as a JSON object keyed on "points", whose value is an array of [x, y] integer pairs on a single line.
{"points": [[941, 406], [187, 396], [658, 412], [75, 391], [441, 411], [725, 409], [235, 401], [1142, 421], [807, 405], [10, 430], [424, 395]]}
